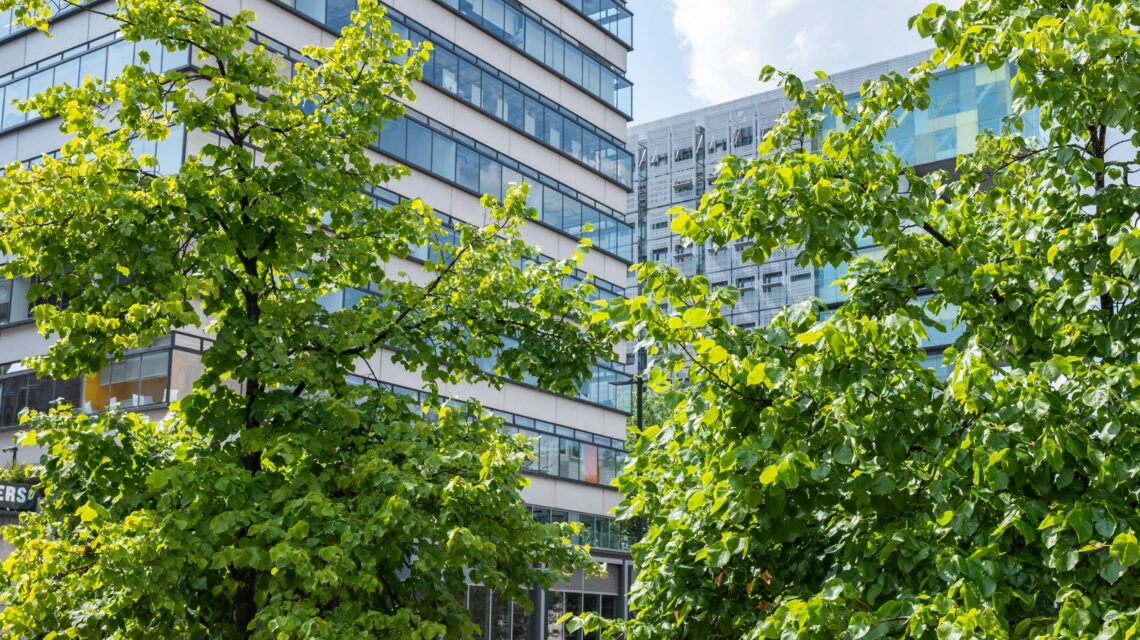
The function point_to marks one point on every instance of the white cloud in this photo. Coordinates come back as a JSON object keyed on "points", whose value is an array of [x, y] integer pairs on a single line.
{"points": [[727, 42]]}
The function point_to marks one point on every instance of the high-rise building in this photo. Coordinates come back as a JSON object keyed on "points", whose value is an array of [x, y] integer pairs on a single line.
{"points": [[532, 91], [677, 160]]}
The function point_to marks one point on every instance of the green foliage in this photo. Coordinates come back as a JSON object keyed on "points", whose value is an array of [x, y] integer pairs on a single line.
{"points": [[816, 480], [17, 473], [277, 499]]}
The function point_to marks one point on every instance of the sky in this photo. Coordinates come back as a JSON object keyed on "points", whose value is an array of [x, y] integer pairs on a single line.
{"points": [[693, 53]]}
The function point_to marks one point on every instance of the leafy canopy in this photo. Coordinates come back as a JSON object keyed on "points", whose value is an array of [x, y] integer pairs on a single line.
{"points": [[278, 498], [816, 479]]}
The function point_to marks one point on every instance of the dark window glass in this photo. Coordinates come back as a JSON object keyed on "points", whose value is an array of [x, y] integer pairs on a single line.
{"points": [[478, 603], [555, 607], [520, 622], [500, 617]]}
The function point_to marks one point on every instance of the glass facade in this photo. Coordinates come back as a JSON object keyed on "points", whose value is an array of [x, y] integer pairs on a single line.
{"points": [[610, 15], [560, 451], [455, 71], [527, 33], [500, 619], [604, 289], [103, 58], [142, 379], [963, 103], [599, 532], [438, 150]]}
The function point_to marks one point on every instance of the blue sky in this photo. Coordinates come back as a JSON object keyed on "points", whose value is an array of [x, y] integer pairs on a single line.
{"points": [[692, 53]]}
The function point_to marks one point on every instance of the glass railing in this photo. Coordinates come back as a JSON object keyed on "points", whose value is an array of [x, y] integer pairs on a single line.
{"points": [[455, 71], [528, 33], [454, 158], [103, 58], [610, 15]]}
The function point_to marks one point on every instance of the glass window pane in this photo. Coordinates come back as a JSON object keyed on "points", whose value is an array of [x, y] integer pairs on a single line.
{"points": [[394, 138], [490, 177], [16, 91], [535, 39], [93, 64], [470, 78], [515, 26], [500, 617], [443, 157], [533, 117], [478, 603], [573, 69], [446, 75], [119, 55], [555, 607], [493, 96], [468, 167], [514, 107], [340, 13], [419, 145], [493, 16]]}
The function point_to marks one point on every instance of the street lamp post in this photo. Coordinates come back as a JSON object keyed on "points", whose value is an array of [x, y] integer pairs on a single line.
{"points": [[637, 380]]}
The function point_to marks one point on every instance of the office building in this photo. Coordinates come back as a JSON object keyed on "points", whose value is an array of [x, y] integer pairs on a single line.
{"points": [[531, 91], [677, 160]]}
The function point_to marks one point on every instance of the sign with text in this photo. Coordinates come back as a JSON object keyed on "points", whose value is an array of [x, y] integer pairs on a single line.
{"points": [[17, 497]]}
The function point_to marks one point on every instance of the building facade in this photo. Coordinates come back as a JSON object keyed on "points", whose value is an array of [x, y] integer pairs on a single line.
{"points": [[677, 160], [532, 91]]}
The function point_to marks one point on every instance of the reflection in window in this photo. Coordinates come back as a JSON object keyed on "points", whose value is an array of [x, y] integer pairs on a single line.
{"points": [[20, 389], [14, 305]]}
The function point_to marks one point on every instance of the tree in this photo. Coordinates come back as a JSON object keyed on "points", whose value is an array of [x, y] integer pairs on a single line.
{"points": [[282, 497], [817, 480]]}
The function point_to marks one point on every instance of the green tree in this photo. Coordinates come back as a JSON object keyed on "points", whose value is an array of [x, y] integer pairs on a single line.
{"points": [[817, 481], [278, 499]]}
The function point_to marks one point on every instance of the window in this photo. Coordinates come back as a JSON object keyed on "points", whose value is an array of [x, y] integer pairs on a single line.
{"points": [[682, 185], [742, 137], [773, 280], [659, 255], [14, 305], [746, 284], [20, 389], [470, 83], [419, 145], [659, 160], [801, 277], [661, 225], [683, 154]]}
